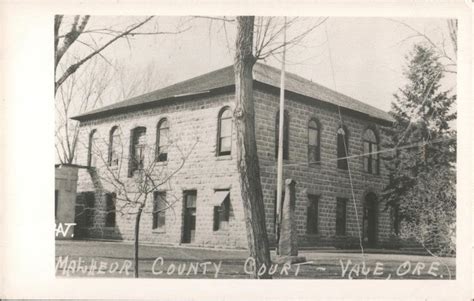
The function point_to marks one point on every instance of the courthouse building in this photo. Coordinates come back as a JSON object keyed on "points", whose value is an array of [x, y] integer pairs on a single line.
{"points": [[201, 202]]}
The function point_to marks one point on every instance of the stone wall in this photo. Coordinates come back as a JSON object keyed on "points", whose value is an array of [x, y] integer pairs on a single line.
{"points": [[193, 128], [193, 122], [323, 179]]}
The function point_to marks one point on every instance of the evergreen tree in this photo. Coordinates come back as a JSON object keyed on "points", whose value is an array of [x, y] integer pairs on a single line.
{"points": [[422, 184]]}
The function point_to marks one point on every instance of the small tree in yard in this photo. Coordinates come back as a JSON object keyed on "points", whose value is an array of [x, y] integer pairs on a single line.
{"points": [[422, 178], [135, 179]]}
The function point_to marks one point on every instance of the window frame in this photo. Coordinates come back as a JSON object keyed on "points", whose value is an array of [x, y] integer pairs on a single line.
{"points": [[110, 210], [313, 202], [89, 209], [317, 147], [221, 214], [159, 155], [111, 161], [90, 154], [341, 225], [134, 166], [371, 159], [342, 164], [219, 136], [158, 216], [286, 134]]}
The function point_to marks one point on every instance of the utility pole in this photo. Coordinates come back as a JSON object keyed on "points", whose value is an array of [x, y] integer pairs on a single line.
{"points": [[280, 142]]}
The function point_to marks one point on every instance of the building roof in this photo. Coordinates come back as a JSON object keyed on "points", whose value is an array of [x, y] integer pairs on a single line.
{"points": [[225, 78]]}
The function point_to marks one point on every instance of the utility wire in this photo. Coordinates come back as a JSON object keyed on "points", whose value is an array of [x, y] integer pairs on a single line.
{"points": [[407, 146], [345, 147]]}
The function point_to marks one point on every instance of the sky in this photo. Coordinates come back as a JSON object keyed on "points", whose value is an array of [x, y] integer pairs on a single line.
{"points": [[361, 57]]}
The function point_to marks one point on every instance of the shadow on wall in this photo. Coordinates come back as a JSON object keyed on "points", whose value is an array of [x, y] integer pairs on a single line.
{"points": [[96, 215]]}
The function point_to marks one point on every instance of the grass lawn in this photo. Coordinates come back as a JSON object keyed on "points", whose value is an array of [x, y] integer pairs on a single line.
{"points": [[115, 259]]}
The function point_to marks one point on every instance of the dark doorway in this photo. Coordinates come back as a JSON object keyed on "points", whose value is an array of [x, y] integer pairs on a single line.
{"points": [[370, 220], [189, 229]]}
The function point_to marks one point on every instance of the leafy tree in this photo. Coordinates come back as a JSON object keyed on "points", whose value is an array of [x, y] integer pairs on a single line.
{"points": [[422, 166]]}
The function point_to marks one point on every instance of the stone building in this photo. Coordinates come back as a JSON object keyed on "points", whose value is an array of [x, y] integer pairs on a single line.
{"points": [[194, 118], [65, 197]]}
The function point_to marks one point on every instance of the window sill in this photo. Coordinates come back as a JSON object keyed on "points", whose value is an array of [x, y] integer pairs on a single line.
{"points": [[223, 157], [158, 231], [161, 163]]}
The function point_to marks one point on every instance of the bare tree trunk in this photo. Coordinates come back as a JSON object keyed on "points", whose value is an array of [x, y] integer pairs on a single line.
{"points": [[137, 236], [247, 159]]}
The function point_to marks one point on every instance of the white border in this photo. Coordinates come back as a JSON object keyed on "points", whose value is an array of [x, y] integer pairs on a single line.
{"points": [[27, 247]]}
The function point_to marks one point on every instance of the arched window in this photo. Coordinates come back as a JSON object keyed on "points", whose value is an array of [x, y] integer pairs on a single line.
{"points": [[91, 155], [224, 132], [162, 142], [286, 134], [114, 146], [342, 148], [314, 148], [371, 158], [137, 149]]}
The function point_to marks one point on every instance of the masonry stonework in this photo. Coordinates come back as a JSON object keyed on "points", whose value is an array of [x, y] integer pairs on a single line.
{"points": [[193, 125], [322, 179]]}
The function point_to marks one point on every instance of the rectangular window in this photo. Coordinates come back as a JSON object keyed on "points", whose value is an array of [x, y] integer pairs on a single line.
{"points": [[159, 210], [221, 209], [341, 216], [189, 227], [312, 214], [89, 206], [110, 209]]}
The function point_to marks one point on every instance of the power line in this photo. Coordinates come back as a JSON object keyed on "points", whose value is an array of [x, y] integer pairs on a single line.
{"points": [[345, 146], [413, 145]]}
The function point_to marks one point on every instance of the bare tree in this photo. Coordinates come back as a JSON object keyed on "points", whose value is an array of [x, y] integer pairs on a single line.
{"points": [[97, 84], [82, 92], [247, 159], [133, 180], [254, 43], [447, 57], [70, 32]]}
